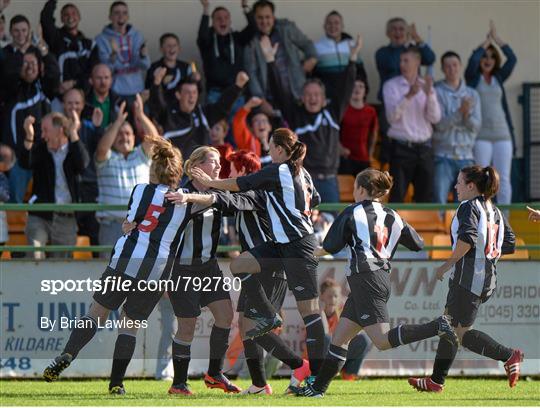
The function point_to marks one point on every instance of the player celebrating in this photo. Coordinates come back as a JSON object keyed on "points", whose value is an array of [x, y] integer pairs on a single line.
{"points": [[196, 261], [145, 254], [480, 235], [372, 232], [290, 195], [253, 229]]}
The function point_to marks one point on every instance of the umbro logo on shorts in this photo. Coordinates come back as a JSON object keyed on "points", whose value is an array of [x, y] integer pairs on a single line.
{"points": [[364, 317], [299, 288]]}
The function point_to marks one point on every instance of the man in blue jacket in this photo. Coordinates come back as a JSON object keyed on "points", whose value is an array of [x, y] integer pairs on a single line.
{"points": [[453, 139]]}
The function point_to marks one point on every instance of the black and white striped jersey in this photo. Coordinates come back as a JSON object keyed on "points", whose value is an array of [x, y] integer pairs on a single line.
{"points": [[252, 223], [201, 235], [289, 199], [372, 233], [147, 252], [482, 225]]}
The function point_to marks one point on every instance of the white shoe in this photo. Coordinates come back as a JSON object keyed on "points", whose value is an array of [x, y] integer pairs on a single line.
{"points": [[253, 389]]}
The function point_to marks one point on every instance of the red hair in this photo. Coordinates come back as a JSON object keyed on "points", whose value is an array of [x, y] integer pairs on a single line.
{"points": [[244, 159]]}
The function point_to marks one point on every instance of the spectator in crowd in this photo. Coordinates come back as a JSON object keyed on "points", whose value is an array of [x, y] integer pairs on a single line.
{"points": [[292, 42], [359, 129], [7, 160], [222, 48], [188, 124], [252, 128], [387, 58], [333, 54], [120, 166], [495, 141], [27, 95], [101, 95], [90, 132], [56, 162], [411, 109], [359, 346], [454, 135], [316, 124], [321, 224], [177, 70], [218, 132], [75, 52], [123, 49]]}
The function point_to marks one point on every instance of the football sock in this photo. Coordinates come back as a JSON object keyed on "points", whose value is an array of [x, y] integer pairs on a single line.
{"points": [[331, 365], [181, 356], [480, 343], [123, 352], [255, 361], [219, 343], [446, 353], [409, 333], [257, 301], [80, 336], [314, 341], [275, 345]]}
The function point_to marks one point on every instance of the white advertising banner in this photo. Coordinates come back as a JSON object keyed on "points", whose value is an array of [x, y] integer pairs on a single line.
{"points": [[29, 340]]}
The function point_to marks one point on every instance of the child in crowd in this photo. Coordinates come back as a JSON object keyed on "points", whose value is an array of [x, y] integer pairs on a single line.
{"points": [[359, 130]]}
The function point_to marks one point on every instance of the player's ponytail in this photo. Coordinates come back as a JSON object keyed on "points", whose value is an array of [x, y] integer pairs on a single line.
{"points": [[166, 161], [486, 179], [295, 149], [377, 183], [198, 157]]}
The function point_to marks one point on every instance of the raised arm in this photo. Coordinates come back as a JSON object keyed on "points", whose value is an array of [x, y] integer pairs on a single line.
{"points": [[283, 100], [107, 140], [346, 84], [46, 19], [148, 126], [221, 109]]}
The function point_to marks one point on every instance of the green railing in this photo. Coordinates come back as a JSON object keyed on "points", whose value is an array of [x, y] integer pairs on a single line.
{"points": [[229, 248]]}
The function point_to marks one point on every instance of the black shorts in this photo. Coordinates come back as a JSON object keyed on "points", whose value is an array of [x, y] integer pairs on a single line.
{"points": [[462, 305], [274, 286], [298, 261], [138, 304], [366, 303], [190, 296]]}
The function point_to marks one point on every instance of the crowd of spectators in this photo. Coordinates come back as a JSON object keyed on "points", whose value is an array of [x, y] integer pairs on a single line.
{"points": [[74, 110]]}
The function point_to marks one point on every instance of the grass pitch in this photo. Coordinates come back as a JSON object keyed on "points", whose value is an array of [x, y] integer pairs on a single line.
{"points": [[369, 392]]}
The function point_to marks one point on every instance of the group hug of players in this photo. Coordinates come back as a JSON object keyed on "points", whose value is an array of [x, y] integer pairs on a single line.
{"points": [[173, 233]]}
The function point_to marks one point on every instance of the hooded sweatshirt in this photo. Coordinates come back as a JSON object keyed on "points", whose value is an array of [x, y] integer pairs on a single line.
{"points": [[453, 137], [128, 66]]}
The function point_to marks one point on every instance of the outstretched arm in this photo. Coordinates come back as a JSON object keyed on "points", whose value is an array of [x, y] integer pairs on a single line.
{"points": [[107, 140]]}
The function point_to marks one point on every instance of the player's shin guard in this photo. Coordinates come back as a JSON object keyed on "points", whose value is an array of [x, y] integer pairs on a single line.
{"points": [[123, 352], [332, 364], [480, 343], [275, 345], [219, 343], [181, 356], [410, 333], [314, 341], [257, 302], [446, 353], [255, 361], [80, 336]]}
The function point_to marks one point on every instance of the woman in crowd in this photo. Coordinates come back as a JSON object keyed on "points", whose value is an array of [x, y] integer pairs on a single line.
{"points": [[495, 143]]}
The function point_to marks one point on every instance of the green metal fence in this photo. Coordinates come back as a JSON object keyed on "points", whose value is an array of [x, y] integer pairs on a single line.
{"points": [[322, 207]]}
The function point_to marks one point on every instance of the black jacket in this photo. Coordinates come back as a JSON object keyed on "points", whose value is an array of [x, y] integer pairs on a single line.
{"points": [[319, 131], [40, 161], [76, 54], [222, 61], [187, 131]]}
